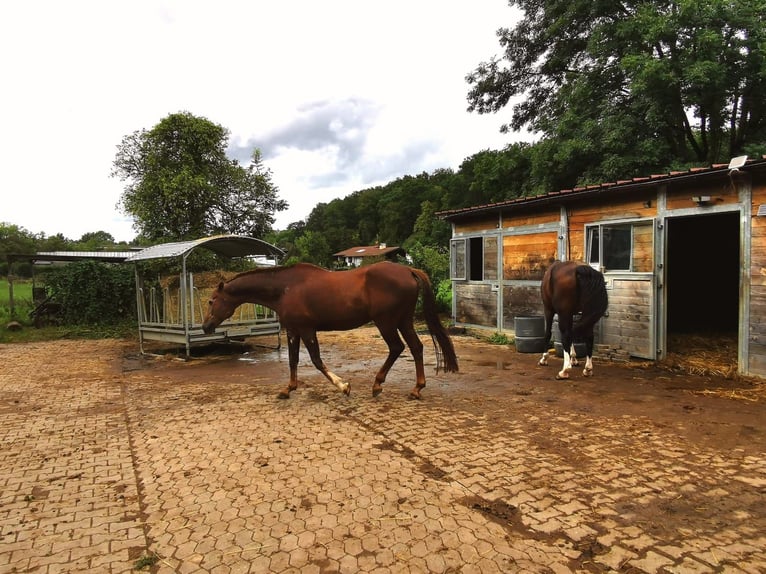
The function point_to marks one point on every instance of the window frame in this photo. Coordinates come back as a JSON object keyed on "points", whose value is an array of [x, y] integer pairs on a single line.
{"points": [[596, 231], [464, 252]]}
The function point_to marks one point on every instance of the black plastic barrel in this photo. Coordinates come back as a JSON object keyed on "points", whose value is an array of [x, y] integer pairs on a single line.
{"points": [[529, 334]]}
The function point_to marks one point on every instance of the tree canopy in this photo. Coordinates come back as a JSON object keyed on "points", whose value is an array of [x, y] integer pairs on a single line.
{"points": [[181, 185], [619, 88]]}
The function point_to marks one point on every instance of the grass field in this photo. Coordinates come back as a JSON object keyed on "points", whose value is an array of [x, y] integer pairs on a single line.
{"points": [[22, 299]]}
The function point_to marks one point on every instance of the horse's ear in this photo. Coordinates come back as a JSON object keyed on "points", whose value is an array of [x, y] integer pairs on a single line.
{"points": [[220, 286]]}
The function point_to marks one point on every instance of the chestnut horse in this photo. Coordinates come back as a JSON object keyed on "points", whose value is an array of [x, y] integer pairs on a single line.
{"points": [[569, 288], [308, 299]]}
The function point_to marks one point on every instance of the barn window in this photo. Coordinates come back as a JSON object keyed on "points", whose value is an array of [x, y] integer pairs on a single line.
{"points": [[457, 259], [620, 246], [467, 259]]}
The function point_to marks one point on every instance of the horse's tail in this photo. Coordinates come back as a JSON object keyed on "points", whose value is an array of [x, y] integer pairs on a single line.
{"points": [[593, 295], [445, 351]]}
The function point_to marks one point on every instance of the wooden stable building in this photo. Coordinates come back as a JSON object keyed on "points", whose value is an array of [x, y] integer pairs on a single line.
{"points": [[683, 252]]}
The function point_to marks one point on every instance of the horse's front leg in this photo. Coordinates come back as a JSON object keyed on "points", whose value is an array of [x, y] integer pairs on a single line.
{"points": [[293, 348], [310, 340], [566, 367]]}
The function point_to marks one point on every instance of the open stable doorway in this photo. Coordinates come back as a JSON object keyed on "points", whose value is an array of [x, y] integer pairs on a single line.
{"points": [[702, 284]]}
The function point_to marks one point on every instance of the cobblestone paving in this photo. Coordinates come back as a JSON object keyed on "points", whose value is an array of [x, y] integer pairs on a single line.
{"points": [[103, 470]]}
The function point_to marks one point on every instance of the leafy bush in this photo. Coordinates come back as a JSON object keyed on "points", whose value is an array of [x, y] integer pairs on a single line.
{"points": [[499, 339], [444, 295], [93, 293]]}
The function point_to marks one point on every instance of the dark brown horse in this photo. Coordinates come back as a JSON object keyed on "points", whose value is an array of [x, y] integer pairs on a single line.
{"points": [[310, 299], [569, 288]]}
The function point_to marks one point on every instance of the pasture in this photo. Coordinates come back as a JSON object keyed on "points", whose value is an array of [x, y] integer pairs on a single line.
{"points": [[22, 295]]}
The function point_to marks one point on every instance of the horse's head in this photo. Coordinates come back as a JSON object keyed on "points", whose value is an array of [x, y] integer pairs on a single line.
{"points": [[219, 308]]}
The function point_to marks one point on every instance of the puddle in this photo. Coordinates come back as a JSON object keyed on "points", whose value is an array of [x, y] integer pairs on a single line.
{"points": [[499, 365], [260, 356]]}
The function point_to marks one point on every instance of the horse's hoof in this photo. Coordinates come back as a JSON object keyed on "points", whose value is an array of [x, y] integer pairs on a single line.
{"points": [[560, 377], [376, 390], [283, 395], [587, 373], [414, 396]]}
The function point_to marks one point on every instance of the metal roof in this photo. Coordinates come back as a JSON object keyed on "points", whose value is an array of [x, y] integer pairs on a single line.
{"points": [[226, 245], [52, 256], [368, 251], [589, 190]]}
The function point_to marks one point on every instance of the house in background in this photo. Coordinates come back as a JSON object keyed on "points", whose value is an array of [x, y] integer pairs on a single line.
{"points": [[354, 256]]}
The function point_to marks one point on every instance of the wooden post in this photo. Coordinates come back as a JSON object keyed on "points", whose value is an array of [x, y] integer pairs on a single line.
{"points": [[10, 290]]}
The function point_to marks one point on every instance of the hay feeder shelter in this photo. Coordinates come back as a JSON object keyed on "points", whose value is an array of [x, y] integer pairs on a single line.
{"points": [[173, 313]]}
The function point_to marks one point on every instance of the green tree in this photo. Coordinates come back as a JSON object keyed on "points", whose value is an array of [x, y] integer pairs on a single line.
{"points": [[96, 240], [15, 240], [181, 185], [623, 87], [311, 247], [428, 230], [56, 242], [335, 223]]}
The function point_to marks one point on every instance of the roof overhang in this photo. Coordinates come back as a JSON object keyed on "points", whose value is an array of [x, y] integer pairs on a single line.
{"points": [[224, 245], [590, 191]]}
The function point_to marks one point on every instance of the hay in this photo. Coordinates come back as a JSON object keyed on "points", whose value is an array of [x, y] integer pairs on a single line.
{"points": [[713, 354], [202, 280]]}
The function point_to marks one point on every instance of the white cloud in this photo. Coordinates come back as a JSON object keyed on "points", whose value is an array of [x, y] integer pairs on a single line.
{"points": [[340, 95]]}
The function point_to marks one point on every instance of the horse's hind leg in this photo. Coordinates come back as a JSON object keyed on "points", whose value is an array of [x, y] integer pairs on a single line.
{"points": [[573, 355], [565, 324], [395, 348], [588, 370], [310, 340], [416, 348]]}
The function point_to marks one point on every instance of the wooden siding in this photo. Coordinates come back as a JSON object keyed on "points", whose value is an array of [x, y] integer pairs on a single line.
{"points": [[721, 192], [643, 248], [482, 224], [527, 256], [757, 328], [629, 322], [520, 301], [490, 258], [550, 215], [476, 304]]}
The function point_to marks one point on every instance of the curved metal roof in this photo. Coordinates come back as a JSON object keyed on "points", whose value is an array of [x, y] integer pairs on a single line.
{"points": [[226, 245]]}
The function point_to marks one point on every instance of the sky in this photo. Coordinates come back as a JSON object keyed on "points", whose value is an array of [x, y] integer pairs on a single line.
{"points": [[339, 95]]}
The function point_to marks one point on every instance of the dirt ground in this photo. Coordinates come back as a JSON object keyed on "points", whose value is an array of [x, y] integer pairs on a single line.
{"points": [[110, 459], [727, 410]]}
